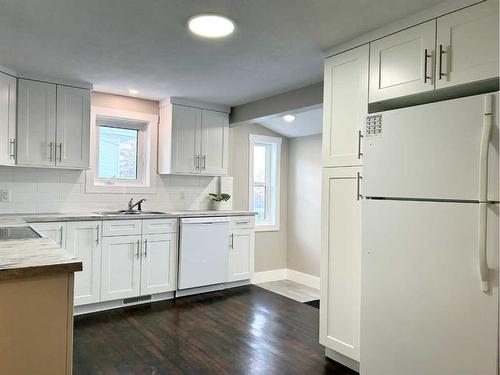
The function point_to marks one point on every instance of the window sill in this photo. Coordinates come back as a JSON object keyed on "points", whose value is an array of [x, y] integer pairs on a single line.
{"points": [[267, 228]]}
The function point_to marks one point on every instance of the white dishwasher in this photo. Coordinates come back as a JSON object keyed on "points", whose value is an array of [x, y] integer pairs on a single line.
{"points": [[203, 251]]}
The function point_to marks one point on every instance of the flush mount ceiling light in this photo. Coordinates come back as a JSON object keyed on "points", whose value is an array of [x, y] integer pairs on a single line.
{"points": [[133, 92], [210, 25], [289, 118]]}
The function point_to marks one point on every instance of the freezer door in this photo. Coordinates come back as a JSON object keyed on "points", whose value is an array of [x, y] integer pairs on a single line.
{"points": [[422, 311], [431, 151]]}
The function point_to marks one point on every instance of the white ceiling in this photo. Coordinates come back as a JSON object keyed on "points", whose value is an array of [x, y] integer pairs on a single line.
{"points": [[307, 122], [144, 44]]}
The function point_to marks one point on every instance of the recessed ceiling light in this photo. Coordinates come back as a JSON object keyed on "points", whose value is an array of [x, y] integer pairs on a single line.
{"points": [[210, 25], [289, 118], [133, 92]]}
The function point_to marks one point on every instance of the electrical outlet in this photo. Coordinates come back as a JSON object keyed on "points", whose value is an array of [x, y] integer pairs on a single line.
{"points": [[181, 196], [4, 195]]}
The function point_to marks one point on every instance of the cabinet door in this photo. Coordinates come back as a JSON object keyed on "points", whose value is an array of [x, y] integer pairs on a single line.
{"points": [[186, 125], [84, 242], [159, 263], [73, 127], [214, 142], [241, 255], [345, 106], [36, 126], [467, 45], [54, 231], [120, 267], [341, 261], [403, 63], [7, 119]]}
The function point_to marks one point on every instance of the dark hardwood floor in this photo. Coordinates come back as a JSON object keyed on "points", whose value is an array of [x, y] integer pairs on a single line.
{"points": [[246, 330]]}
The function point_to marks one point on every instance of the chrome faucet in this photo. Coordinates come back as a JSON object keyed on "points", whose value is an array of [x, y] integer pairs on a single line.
{"points": [[131, 205]]}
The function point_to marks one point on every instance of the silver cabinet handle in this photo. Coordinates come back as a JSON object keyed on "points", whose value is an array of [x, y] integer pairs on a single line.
{"points": [[197, 162], [358, 180], [441, 53], [97, 235], [137, 254], [242, 222], [231, 244], [360, 136], [12, 148], [60, 236], [145, 248], [51, 147], [427, 55], [204, 159], [60, 152]]}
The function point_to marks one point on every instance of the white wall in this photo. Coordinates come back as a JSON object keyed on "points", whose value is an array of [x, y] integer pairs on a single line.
{"points": [[36, 190], [304, 204], [270, 247]]}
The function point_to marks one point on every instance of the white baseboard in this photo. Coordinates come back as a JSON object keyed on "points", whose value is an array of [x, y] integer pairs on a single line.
{"points": [[286, 274], [303, 278], [267, 276]]}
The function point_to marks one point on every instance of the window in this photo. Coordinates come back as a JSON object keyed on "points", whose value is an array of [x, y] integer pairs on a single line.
{"points": [[123, 152], [117, 153], [264, 181]]}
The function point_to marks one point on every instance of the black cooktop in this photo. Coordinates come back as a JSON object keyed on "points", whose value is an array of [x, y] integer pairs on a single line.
{"points": [[17, 233]]}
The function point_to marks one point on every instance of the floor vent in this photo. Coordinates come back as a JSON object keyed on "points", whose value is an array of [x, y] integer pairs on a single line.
{"points": [[136, 299]]}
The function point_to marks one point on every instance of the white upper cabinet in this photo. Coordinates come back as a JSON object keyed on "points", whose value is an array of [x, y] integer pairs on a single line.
{"points": [[403, 63], [83, 241], [8, 88], [214, 142], [36, 123], [53, 125], [345, 106], [73, 124], [467, 45], [186, 126], [192, 141]]}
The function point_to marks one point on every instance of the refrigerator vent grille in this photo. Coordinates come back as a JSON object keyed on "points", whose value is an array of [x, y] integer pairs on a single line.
{"points": [[373, 125]]}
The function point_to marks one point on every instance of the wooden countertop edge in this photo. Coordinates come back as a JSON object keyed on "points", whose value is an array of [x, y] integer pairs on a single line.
{"points": [[25, 272]]}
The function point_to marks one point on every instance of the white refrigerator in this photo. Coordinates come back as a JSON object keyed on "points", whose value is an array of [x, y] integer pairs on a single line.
{"points": [[430, 240]]}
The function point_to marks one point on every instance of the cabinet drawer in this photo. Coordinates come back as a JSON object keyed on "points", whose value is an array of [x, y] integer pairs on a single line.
{"points": [[242, 222], [54, 231], [121, 227], [158, 226]]}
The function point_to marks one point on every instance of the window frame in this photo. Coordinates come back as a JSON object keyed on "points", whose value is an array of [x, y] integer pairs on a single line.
{"points": [[146, 125], [272, 178]]}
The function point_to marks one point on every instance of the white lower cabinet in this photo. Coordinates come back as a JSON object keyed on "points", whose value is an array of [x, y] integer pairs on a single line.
{"points": [[120, 267], [341, 261], [83, 241], [54, 231], [241, 255], [158, 263]]}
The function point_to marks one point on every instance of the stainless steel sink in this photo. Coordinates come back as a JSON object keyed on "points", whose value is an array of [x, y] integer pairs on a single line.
{"points": [[129, 212]]}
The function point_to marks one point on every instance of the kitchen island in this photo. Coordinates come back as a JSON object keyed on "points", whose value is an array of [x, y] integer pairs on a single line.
{"points": [[36, 309]]}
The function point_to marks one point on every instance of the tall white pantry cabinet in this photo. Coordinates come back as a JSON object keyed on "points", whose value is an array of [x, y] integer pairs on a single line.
{"points": [[345, 106], [453, 50]]}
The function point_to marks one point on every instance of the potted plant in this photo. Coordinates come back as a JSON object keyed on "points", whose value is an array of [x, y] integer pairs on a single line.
{"points": [[219, 201]]}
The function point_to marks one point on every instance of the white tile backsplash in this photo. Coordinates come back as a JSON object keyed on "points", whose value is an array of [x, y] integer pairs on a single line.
{"points": [[37, 190]]}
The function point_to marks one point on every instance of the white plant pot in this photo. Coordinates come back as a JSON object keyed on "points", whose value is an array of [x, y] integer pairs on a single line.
{"points": [[220, 206]]}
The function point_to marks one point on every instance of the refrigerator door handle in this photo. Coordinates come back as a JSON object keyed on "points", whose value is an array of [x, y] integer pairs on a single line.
{"points": [[483, 259], [483, 152], [483, 191]]}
